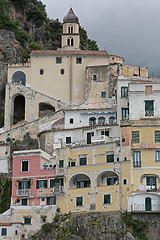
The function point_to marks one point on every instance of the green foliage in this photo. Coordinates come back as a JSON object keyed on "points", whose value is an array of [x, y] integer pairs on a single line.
{"points": [[35, 46], [86, 43], [1, 120], [46, 227], [37, 13], [137, 226], [20, 3], [5, 194]]}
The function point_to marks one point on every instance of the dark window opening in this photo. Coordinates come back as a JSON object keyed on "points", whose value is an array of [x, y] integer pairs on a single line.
{"points": [[24, 202], [103, 94], [71, 120], [68, 140], [19, 109], [94, 77], [41, 183], [78, 60], [41, 71], [25, 165], [27, 220], [62, 71], [19, 77], [51, 200], [58, 60], [79, 201]]}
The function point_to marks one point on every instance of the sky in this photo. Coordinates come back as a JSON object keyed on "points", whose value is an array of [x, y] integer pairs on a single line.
{"points": [[127, 28]]}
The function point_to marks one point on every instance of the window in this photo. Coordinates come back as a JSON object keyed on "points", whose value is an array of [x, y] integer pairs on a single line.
{"points": [[124, 92], [78, 60], [41, 71], [149, 108], [68, 140], [16, 232], [157, 156], [106, 133], [24, 185], [124, 181], [101, 120], [150, 181], [27, 220], [112, 120], [148, 90], [123, 140], [83, 184], [137, 159], [94, 77], [70, 29], [135, 136], [71, 120], [92, 134], [43, 219], [79, 201], [52, 182], [110, 157], [24, 202], [92, 121], [103, 94], [112, 180], [25, 165], [4, 232], [42, 183], [62, 71], [58, 60], [61, 163], [125, 113], [82, 161], [157, 136], [51, 200], [73, 164], [107, 199]]}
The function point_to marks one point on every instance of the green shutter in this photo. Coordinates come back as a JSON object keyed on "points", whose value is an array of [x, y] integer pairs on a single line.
{"points": [[37, 184], [157, 136], [83, 161], [20, 185], [135, 136], [79, 201], [110, 158], [107, 199], [52, 183], [61, 163], [28, 184], [45, 183]]}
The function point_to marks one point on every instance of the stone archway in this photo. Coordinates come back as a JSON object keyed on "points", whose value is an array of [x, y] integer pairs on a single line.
{"points": [[19, 109], [45, 109]]}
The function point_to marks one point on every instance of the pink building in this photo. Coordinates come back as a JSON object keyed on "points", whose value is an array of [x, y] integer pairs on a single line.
{"points": [[33, 178]]}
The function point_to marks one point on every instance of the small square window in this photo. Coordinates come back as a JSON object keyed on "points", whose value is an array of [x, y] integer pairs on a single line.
{"points": [[27, 220], [58, 60], [83, 161], [79, 201], [123, 140], [61, 163], [124, 181], [110, 157], [78, 60], [107, 199], [103, 94], [25, 166], [43, 219], [92, 134], [68, 140], [24, 202], [94, 77], [4, 232], [102, 133], [73, 164], [107, 133]]}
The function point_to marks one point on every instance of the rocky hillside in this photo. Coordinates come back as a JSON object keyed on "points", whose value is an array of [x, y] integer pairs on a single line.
{"points": [[24, 26]]}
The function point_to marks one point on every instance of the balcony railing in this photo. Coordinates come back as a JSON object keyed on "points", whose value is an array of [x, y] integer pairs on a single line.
{"points": [[23, 192], [149, 113], [144, 208], [58, 189], [50, 191]]}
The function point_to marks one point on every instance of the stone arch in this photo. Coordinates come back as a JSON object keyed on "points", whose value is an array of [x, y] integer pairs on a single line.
{"points": [[19, 77], [79, 180], [18, 108], [107, 178], [45, 109]]}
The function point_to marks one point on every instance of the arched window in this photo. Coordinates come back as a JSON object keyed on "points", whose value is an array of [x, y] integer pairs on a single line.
{"points": [[112, 120], [71, 120], [19, 77], [92, 121], [101, 120], [70, 29], [19, 109], [148, 204], [70, 42]]}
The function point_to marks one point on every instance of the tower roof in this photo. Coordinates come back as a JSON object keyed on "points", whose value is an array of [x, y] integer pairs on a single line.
{"points": [[70, 17]]}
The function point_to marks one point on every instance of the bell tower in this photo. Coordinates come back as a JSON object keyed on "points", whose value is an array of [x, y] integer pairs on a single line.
{"points": [[70, 35]]}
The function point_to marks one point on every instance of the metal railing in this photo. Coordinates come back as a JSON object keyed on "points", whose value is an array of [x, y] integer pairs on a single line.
{"points": [[23, 192], [149, 113]]}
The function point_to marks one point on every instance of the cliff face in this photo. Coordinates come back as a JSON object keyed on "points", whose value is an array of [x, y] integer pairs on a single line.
{"points": [[24, 26]]}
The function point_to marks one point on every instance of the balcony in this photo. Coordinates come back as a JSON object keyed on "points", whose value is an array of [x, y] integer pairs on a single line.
{"points": [[149, 113], [58, 189], [23, 192], [50, 191], [143, 208]]}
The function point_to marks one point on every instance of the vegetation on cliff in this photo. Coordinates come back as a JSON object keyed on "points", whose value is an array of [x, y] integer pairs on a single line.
{"points": [[5, 194]]}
